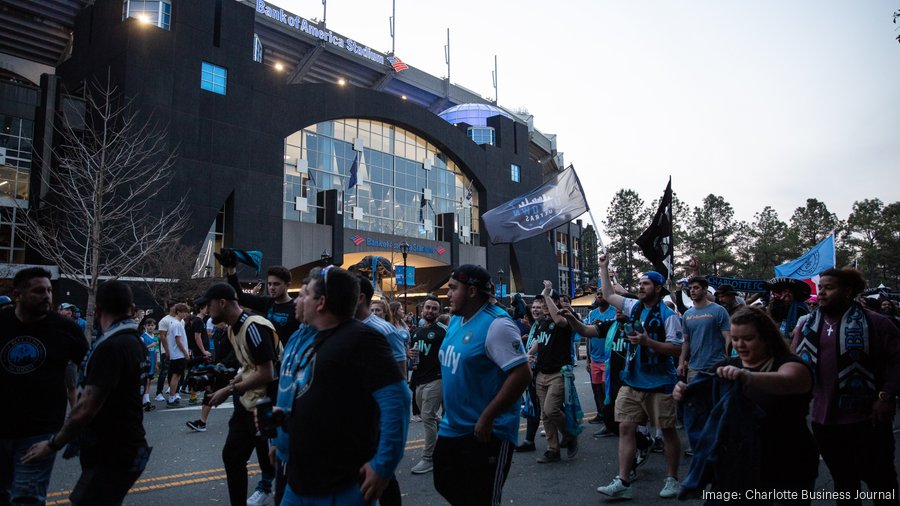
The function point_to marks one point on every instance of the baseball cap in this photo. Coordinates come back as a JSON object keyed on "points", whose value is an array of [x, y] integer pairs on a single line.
{"points": [[725, 290], [217, 291], [657, 279], [474, 275], [5, 301], [66, 305]]}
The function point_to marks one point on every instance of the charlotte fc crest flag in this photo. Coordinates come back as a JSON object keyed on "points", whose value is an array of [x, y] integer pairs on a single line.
{"points": [[656, 241], [813, 262], [550, 205]]}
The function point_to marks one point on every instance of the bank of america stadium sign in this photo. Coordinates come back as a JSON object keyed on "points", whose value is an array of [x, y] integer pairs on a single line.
{"points": [[327, 36], [359, 240]]}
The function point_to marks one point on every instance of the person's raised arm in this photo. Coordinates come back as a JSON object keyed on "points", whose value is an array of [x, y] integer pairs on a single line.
{"points": [[551, 306], [578, 326], [606, 286], [258, 303]]}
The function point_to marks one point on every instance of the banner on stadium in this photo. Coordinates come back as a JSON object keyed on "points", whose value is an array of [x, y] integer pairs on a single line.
{"points": [[811, 263], [739, 284], [656, 241], [552, 204]]}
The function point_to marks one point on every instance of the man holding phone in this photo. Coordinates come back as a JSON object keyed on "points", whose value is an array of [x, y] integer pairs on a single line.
{"points": [[648, 379]]}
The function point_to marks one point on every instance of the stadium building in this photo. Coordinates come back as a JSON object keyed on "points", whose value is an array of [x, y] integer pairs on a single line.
{"points": [[268, 111]]}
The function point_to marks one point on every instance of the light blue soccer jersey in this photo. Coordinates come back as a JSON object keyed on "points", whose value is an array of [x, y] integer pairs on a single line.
{"points": [[598, 344], [394, 338], [476, 357]]}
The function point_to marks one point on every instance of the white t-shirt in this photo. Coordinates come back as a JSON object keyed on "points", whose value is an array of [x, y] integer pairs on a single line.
{"points": [[176, 334], [163, 325]]}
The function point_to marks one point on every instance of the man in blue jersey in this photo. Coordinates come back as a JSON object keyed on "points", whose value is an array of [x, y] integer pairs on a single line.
{"points": [[649, 377], [484, 372], [603, 315]]}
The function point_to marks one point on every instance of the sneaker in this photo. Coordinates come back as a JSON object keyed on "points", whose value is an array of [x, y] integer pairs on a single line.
{"points": [[616, 489], [632, 476], [160, 397], [148, 407], [603, 432], [597, 419], [657, 445], [416, 418], [670, 488], [197, 425], [260, 498], [689, 452], [173, 404], [525, 447], [543, 432], [548, 457], [572, 447], [643, 450], [424, 466]]}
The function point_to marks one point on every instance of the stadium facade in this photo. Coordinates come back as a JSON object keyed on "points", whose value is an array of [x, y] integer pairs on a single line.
{"points": [[268, 111]]}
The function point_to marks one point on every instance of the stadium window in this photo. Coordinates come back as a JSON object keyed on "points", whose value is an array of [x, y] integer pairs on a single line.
{"points": [[516, 173], [213, 78], [154, 12]]}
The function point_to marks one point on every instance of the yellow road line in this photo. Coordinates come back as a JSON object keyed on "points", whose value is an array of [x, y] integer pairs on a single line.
{"points": [[158, 486]]}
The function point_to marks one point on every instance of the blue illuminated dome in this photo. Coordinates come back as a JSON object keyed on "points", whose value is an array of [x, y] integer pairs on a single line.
{"points": [[472, 114]]}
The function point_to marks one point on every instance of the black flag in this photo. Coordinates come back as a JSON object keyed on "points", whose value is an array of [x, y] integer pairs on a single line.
{"points": [[656, 241]]}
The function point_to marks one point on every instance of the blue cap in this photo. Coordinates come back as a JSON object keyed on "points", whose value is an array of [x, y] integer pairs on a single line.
{"points": [[4, 300], [656, 277]]}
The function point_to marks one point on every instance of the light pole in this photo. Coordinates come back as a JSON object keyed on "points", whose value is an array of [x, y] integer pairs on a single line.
{"points": [[404, 250], [500, 276]]}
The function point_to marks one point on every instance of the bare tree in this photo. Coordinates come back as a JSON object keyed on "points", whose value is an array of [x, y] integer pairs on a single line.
{"points": [[98, 220], [168, 275]]}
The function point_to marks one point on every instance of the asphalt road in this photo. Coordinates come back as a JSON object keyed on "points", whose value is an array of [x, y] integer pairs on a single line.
{"points": [[186, 467]]}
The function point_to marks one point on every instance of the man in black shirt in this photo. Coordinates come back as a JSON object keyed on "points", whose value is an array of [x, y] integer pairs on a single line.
{"points": [[108, 416], [347, 460], [278, 307], [257, 350], [198, 343], [554, 350], [425, 345], [35, 345]]}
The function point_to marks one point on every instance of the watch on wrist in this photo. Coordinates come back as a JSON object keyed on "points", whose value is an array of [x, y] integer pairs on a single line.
{"points": [[884, 396], [52, 443]]}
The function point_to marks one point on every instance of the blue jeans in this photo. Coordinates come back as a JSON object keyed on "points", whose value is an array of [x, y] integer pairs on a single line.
{"points": [[350, 496], [23, 483]]}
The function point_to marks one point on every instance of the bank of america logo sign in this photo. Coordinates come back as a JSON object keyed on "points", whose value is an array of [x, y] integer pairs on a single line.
{"points": [[357, 240], [441, 250], [397, 63]]}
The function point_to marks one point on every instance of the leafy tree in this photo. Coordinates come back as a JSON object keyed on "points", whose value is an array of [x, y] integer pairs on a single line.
{"points": [[588, 255], [625, 221], [99, 217], [770, 244], [812, 223], [710, 234]]}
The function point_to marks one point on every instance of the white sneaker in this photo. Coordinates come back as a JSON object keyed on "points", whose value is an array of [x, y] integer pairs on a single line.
{"points": [[616, 489], [670, 488], [160, 397], [424, 466], [260, 498]]}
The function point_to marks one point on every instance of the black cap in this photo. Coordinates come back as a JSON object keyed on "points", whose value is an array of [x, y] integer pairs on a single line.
{"points": [[217, 291], [725, 290], [474, 275]]}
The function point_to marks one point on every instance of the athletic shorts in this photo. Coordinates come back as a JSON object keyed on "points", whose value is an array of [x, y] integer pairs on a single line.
{"points": [[641, 407], [598, 370], [177, 366]]}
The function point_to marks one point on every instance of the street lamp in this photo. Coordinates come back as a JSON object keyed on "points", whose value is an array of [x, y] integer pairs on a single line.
{"points": [[325, 257], [404, 250], [500, 276]]}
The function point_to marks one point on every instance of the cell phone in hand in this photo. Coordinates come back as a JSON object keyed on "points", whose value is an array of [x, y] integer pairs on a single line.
{"points": [[266, 419]]}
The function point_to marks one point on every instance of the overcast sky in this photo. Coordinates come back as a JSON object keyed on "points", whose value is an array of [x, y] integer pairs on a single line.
{"points": [[764, 103]]}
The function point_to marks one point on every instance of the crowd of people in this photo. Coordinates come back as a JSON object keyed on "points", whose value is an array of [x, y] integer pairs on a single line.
{"points": [[762, 386]]}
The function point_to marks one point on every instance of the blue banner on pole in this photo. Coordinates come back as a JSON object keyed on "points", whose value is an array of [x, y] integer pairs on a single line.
{"points": [[740, 285], [819, 259], [500, 291], [408, 278]]}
